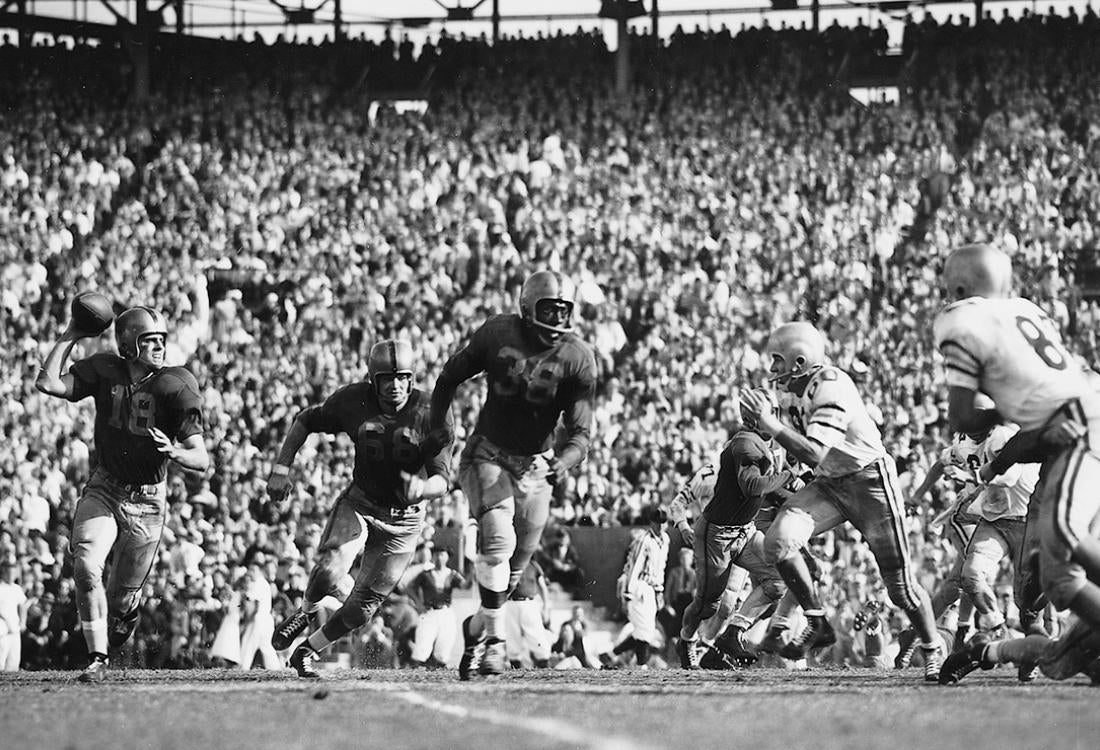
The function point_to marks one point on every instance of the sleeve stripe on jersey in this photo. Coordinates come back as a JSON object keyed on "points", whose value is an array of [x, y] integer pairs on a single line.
{"points": [[959, 353], [830, 425], [835, 407], [950, 365], [812, 439]]}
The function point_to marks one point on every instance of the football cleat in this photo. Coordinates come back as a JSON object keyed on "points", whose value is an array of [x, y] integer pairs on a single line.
{"points": [[961, 663], [121, 628], [472, 651], [495, 659], [688, 651], [773, 641], [715, 660], [818, 633], [289, 629], [302, 660], [732, 643], [607, 661], [96, 671], [933, 662], [1027, 671], [907, 644]]}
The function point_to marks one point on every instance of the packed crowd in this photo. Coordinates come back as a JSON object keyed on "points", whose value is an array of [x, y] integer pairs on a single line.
{"points": [[281, 231]]}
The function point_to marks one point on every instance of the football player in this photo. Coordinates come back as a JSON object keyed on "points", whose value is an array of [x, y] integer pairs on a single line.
{"points": [[689, 500], [854, 480], [538, 371], [1007, 348], [725, 534], [957, 462], [146, 415], [1001, 507], [381, 514]]}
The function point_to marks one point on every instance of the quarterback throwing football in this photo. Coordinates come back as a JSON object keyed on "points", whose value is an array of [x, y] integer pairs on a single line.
{"points": [[146, 415]]}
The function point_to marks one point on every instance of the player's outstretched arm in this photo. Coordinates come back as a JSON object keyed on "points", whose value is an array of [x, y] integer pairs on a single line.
{"points": [[1023, 447], [933, 476], [50, 379], [278, 482], [804, 450]]}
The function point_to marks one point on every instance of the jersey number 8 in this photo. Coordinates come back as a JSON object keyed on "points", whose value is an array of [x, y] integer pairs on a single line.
{"points": [[539, 386], [1049, 351]]}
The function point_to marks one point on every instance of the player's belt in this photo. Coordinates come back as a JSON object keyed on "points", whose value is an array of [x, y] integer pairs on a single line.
{"points": [[158, 489], [383, 511], [516, 463]]}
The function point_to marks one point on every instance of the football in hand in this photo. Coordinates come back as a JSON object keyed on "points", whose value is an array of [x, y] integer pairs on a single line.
{"points": [[92, 313]]}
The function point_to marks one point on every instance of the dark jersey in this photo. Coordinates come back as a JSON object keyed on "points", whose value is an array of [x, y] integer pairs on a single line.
{"points": [[384, 445], [168, 399], [745, 475], [528, 585], [435, 589], [530, 387]]}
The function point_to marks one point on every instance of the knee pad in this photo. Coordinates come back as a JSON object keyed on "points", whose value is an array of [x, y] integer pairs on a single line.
{"points": [[788, 535], [493, 572], [970, 578], [86, 577]]}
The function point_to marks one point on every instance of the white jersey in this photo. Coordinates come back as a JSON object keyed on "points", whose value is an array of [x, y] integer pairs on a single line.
{"points": [[831, 413], [1008, 495], [961, 461], [1011, 351], [690, 499]]}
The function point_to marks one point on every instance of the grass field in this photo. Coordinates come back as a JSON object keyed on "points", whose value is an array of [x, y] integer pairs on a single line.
{"points": [[758, 709]]}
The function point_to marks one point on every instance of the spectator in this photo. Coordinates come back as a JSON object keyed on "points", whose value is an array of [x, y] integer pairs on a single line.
{"points": [[562, 566]]}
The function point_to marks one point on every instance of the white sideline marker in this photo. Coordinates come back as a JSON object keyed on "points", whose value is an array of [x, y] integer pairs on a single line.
{"points": [[552, 728]]}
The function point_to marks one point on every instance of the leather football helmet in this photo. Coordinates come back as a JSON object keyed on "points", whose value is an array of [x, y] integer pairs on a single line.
{"points": [[135, 324], [551, 286], [390, 357], [976, 271], [748, 419], [794, 350]]}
